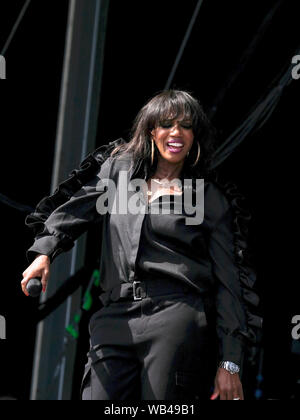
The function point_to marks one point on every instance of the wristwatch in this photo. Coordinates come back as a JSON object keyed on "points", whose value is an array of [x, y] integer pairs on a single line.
{"points": [[230, 367]]}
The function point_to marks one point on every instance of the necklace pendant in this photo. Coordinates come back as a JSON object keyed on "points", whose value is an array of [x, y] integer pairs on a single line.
{"points": [[157, 181]]}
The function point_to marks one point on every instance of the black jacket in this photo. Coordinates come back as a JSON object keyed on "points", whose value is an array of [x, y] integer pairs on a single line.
{"points": [[208, 257]]}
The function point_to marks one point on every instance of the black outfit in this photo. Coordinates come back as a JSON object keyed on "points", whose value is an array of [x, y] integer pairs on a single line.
{"points": [[191, 278]]}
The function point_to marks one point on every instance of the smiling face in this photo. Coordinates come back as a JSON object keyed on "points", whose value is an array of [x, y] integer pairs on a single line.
{"points": [[173, 138]]}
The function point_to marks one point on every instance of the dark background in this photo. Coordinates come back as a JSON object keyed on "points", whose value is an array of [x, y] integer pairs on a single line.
{"points": [[143, 38]]}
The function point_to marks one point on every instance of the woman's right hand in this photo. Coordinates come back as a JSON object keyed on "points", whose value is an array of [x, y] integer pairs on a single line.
{"points": [[40, 267]]}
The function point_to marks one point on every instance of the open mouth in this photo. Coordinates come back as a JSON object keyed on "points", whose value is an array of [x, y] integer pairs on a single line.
{"points": [[175, 147]]}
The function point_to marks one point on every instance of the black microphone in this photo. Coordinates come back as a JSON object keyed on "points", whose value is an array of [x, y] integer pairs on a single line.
{"points": [[34, 287]]}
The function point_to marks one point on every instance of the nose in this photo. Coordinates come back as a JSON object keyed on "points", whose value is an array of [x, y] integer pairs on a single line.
{"points": [[175, 130]]}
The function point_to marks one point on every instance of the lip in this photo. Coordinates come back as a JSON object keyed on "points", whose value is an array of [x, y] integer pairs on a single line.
{"points": [[175, 149]]}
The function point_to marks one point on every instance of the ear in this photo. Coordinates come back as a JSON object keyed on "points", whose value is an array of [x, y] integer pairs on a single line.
{"points": [[152, 133]]}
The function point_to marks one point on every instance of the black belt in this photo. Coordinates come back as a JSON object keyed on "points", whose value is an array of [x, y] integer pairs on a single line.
{"points": [[140, 289]]}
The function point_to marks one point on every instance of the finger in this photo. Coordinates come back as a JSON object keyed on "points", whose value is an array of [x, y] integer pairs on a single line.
{"points": [[23, 286], [223, 395], [215, 395], [241, 393], [44, 280], [236, 393], [230, 395], [216, 392]]}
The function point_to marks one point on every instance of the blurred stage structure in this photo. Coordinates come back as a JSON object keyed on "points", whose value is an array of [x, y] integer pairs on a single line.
{"points": [[76, 135]]}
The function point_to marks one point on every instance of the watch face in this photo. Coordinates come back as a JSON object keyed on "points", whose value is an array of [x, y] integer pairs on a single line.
{"points": [[233, 368]]}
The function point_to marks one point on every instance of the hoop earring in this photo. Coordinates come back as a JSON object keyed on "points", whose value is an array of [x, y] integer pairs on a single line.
{"points": [[152, 151], [198, 155]]}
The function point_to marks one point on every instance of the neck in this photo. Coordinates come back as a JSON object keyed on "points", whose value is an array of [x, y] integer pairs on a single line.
{"points": [[168, 170]]}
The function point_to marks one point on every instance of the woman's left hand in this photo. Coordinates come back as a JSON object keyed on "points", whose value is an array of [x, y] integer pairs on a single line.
{"points": [[227, 386]]}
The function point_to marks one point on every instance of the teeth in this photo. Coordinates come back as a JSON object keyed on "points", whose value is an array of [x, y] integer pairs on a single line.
{"points": [[175, 144]]}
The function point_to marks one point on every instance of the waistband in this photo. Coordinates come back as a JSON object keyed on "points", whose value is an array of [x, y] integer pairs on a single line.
{"points": [[142, 288]]}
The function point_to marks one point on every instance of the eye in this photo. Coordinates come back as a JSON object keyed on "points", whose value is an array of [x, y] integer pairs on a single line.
{"points": [[165, 124], [187, 126]]}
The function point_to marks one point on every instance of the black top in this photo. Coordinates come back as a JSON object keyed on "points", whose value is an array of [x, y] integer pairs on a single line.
{"points": [[201, 255]]}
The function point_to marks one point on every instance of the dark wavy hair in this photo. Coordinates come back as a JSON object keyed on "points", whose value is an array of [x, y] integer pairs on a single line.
{"points": [[171, 104]]}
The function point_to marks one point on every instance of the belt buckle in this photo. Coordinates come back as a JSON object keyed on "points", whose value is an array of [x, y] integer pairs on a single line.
{"points": [[135, 284]]}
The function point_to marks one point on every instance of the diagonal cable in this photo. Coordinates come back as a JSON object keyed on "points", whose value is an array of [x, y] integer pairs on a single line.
{"points": [[246, 57], [15, 27], [257, 117], [15, 205], [183, 44]]}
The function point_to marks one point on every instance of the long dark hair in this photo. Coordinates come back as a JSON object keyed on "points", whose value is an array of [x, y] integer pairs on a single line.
{"points": [[171, 104]]}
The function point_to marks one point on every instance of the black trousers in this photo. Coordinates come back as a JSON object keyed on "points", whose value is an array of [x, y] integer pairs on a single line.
{"points": [[157, 348]]}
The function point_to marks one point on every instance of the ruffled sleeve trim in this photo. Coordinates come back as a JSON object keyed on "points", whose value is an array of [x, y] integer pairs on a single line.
{"points": [[247, 274], [77, 178]]}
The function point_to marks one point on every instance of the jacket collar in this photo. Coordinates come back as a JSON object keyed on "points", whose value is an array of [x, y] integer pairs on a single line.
{"points": [[139, 170], [144, 171]]}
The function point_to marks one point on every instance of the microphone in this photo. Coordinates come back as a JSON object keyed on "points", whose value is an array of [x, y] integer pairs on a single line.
{"points": [[34, 287]]}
